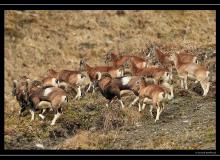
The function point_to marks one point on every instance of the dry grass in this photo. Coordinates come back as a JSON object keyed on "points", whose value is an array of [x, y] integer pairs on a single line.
{"points": [[86, 140], [38, 40], [80, 141]]}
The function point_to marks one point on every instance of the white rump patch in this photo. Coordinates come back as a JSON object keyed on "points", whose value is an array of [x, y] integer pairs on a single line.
{"points": [[125, 80], [63, 84], [207, 74], [79, 94], [99, 75], [166, 76], [195, 60], [54, 82], [47, 91], [144, 64], [79, 79], [161, 97], [64, 99], [44, 104], [40, 146], [147, 100], [119, 73]]}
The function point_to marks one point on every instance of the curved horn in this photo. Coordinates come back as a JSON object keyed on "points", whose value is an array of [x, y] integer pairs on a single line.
{"points": [[149, 80], [105, 74], [42, 104]]}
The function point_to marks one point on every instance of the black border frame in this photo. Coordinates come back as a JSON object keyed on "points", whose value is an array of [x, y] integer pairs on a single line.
{"points": [[108, 152], [110, 2]]}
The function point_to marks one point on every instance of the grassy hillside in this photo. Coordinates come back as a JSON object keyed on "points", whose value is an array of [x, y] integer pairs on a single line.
{"points": [[38, 40]]}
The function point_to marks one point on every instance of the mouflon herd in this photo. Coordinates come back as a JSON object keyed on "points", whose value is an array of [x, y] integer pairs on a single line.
{"points": [[150, 83]]}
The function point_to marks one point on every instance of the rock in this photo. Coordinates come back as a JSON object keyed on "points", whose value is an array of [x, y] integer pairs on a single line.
{"points": [[89, 107], [38, 145], [92, 129], [108, 41], [171, 116], [183, 93], [138, 124], [70, 126], [35, 15], [58, 133], [198, 89], [183, 117]]}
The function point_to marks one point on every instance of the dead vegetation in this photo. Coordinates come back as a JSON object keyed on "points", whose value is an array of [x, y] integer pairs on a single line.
{"points": [[38, 40]]}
